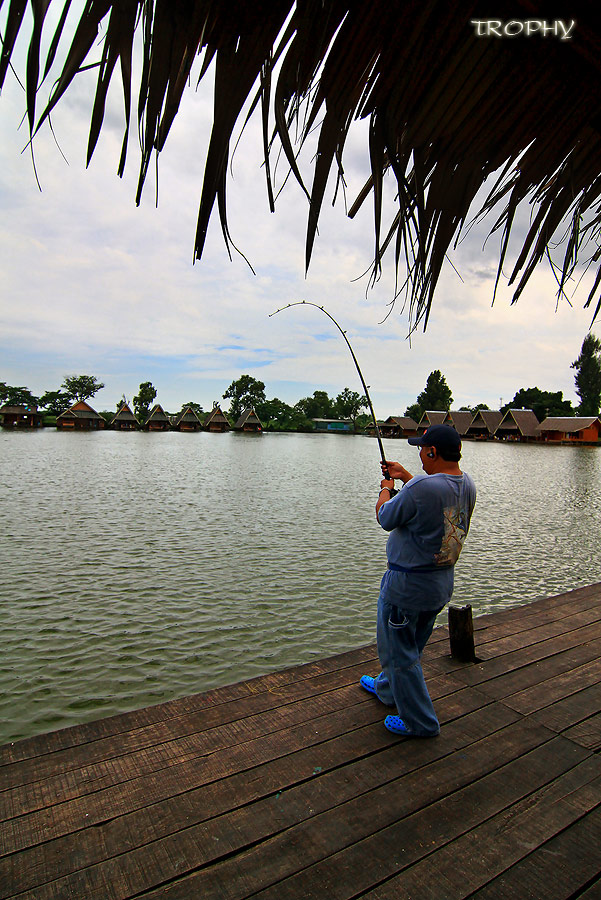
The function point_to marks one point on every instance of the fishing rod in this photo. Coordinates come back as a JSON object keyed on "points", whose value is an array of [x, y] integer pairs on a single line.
{"points": [[348, 343]]}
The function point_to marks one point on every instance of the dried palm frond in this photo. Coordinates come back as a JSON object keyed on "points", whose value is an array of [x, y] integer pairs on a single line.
{"points": [[446, 109]]}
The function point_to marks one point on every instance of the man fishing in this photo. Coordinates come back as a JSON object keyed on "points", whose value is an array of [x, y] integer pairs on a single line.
{"points": [[428, 520]]}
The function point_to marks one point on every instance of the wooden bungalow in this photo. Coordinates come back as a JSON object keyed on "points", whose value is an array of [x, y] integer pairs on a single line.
{"points": [[217, 421], [124, 420], [459, 419], [20, 415], [395, 427], [80, 416], [484, 424], [333, 426], [249, 422], [431, 417], [158, 420], [570, 429], [518, 425], [187, 420]]}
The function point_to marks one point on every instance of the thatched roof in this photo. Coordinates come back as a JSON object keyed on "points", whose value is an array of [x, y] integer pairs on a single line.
{"points": [[404, 422], [187, 416], [447, 107], [216, 416], [158, 414], [432, 417], [519, 421], [80, 410], [124, 414], [487, 420], [248, 417], [568, 424], [460, 419]]}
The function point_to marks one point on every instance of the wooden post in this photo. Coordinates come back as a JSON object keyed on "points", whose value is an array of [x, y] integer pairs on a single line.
{"points": [[461, 634]]}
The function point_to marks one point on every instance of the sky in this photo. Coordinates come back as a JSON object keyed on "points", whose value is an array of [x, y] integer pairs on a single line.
{"points": [[92, 284]]}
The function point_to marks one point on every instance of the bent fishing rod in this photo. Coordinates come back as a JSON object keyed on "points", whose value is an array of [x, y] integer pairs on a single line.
{"points": [[365, 388]]}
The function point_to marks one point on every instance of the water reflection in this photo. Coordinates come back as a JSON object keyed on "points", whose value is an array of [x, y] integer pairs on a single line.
{"points": [[140, 567]]}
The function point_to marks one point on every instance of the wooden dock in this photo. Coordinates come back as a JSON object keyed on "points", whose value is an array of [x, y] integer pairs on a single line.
{"points": [[289, 786]]}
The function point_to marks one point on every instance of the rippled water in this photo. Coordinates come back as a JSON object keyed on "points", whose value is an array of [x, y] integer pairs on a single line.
{"points": [[141, 567]]}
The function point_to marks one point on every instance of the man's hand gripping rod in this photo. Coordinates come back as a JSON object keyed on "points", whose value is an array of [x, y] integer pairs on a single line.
{"points": [[343, 333]]}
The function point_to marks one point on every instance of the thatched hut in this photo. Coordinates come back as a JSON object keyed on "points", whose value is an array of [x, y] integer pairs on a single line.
{"points": [[20, 415], [484, 424], [431, 417], [452, 97], [395, 427], [518, 425], [216, 420], [459, 419], [187, 420], [124, 420], [80, 416], [158, 420], [249, 422]]}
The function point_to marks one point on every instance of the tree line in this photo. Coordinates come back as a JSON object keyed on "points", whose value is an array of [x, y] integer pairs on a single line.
{"points": [[276, 415]]}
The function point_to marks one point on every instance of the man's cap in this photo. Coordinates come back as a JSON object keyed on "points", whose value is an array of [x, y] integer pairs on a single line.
{"points": [[443, 437]]}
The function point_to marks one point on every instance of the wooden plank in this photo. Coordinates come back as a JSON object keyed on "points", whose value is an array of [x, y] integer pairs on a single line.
{"points": [[505, 839], [561, 685], [572, 710], [570, 861], [288, 794], [356, 845]]}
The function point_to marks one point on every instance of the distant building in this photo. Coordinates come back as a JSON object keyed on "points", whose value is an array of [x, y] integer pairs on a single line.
{"points": [[431, 417], [459, 419], [20, 415], [572, 430], [484, 424], [80, 416], [395, 427], [216, 420], [249, 421], [158, 420], [518, 425], [333, 426], [124, 420], [187, 420]]}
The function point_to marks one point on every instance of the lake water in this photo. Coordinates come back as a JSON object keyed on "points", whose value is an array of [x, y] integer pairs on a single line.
{"points": [[139, 567]]}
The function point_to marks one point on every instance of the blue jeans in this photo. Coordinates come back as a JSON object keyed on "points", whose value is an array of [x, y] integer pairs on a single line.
{"points": [[402, 635]]}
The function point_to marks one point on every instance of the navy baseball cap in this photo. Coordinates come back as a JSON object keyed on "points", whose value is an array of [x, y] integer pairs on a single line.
{"points": [[443, 437]]}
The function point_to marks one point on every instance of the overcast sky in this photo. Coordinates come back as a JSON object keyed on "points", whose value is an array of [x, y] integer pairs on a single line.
{"points": [[91, 284]]}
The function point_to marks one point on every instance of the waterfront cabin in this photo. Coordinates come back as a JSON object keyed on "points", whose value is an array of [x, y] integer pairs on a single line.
{"points": [[158, 420], [484, 424], [80, 416], [249, 421], [395, 427], [459, 419], [187, 420], [124, 420], [333, 426], [216, 421], [518, 425], [431, 417], [20, 415], [570, 429]]}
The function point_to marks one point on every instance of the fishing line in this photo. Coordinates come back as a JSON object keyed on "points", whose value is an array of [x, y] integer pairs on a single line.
{"points": [[348, 343]]}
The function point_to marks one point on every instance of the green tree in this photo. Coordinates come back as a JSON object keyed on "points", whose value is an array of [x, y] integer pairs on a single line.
{"points": [[348, 404], [319, 406], [275, 415], [17, 396], [542, 403], [143, 400], [55, 402], [244, 392], [81, 387], [588, 376], [436, 395], [414, 411]]}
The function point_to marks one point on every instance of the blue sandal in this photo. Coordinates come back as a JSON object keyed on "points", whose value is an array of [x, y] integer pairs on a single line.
{"points": [[396, 725]]}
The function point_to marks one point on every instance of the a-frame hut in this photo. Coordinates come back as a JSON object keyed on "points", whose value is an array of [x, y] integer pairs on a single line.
{"points": [[570, 429], [518, 425], [431, 417], [158, 420], [124, 420], [217, 421], [249, 421], [459, 419], [80, 416], [484, 424], [187, 420]]}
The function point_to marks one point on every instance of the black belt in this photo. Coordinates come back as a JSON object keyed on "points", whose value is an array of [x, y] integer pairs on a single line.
{"points": [[396, 568]]}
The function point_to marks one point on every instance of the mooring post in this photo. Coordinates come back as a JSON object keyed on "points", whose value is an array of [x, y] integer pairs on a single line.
{"points": [[461, 633]]}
